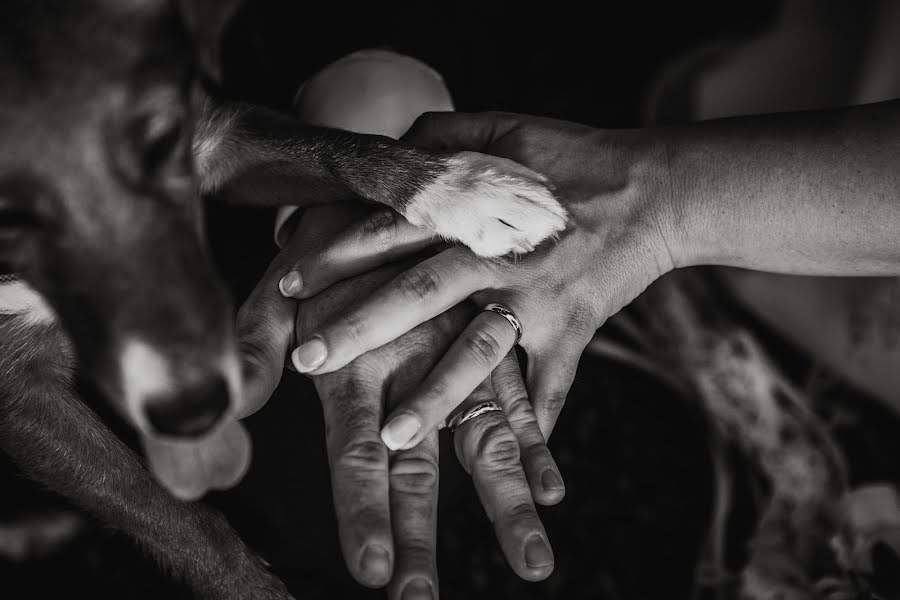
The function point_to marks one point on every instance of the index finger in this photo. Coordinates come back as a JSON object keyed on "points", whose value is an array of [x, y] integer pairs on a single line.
{"points": [[467, 363], [410, 299], [265, 330]]}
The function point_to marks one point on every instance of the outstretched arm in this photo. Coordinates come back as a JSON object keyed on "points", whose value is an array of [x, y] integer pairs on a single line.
{"points": [[814, 193]]}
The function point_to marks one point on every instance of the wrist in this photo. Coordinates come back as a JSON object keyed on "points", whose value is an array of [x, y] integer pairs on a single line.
{"points": [[658, 207], [687, 220], [680, 218]]}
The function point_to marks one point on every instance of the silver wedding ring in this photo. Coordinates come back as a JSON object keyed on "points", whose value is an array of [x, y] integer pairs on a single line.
{"points": [[482, 408], [509, 316]]}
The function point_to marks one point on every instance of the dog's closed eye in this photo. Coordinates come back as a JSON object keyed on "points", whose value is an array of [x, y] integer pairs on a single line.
{"points": [[152, 140], [16, 219], [23, 206], [157, 139], [18, 226]]}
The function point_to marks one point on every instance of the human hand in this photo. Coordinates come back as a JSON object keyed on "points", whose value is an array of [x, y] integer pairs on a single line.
{"points": [[615, 188], [386, 504]]}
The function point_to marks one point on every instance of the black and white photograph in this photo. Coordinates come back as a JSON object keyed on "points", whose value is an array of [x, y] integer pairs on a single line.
{"points": [[460, 301]]}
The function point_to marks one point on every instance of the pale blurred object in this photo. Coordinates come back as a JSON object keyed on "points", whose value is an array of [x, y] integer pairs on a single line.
{"points": [[370, 91], [819, 54]]}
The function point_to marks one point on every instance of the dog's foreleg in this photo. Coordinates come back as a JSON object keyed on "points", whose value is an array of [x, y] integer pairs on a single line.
{"points": [[493, 205], [56, 440]]}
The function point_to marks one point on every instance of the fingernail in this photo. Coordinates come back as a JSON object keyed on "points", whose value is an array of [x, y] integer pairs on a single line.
{"points": [[537, 554], [417, 589], [400, 430], [376, 563], [551, 481], [290, 284], [309, 355]]}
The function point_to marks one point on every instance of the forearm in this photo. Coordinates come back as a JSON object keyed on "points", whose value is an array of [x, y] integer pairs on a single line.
{"points": [[802, 193]]}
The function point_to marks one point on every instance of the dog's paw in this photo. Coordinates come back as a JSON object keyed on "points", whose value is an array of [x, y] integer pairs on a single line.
{"points": [[492, 205]]}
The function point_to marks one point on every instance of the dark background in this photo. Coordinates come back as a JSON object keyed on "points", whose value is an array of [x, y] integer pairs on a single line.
{"points": [[633, 454]]}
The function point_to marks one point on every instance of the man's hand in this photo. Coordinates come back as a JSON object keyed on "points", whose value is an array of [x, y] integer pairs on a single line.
{"points": [[386, 503]]}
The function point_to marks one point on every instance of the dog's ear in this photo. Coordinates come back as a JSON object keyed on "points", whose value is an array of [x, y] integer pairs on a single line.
{"points": [[206, 22]]}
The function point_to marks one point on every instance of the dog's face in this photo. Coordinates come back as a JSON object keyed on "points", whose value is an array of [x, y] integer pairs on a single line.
{"points": [[98, 209]]}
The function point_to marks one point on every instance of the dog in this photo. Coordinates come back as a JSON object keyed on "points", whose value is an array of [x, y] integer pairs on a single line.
{"points": [[111, 131], [102, 135]]}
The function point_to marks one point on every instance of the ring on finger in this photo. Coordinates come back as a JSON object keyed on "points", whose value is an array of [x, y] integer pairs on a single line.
{"points": [[509, 315], [482, 408]]}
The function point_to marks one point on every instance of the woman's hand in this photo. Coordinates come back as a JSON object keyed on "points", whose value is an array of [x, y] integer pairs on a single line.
{"points": [[614, 185]]}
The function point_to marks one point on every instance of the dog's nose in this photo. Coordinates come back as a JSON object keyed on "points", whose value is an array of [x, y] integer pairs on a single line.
{"points": [[193, 412]]}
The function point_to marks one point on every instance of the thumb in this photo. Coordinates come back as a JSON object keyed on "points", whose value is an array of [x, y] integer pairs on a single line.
{"points": [[265, 330], [459, 131]]}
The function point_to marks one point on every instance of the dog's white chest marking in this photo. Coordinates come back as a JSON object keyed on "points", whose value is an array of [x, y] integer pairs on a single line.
{"points": [[492, 205], [19, 298]]}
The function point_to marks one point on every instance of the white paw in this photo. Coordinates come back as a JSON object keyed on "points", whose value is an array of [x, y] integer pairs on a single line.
{"points": [[492, 205]]}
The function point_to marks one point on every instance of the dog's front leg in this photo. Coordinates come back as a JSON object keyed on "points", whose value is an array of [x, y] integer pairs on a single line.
{"points": [[493, 205], [56, 440]]}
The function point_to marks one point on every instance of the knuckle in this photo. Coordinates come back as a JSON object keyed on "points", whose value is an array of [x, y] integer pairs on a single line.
{"points": [[361, 375], [519, 411], [253, 351], [580, 318], [417, 553], [355, 419], [365, 518], [419, 284], [552, 403], [362, 456], [344, 390], [460, 257], [382, 227], [522, 511], [353, 327], [497, 445], [418, 476], [483, 346], [535, 452], [256, 326]]}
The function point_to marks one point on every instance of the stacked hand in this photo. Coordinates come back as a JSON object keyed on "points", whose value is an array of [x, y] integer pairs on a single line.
{"points": [[614, 187], [386, 504], [388, 329]]}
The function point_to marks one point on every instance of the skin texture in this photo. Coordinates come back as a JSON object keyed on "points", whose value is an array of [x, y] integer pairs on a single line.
{"points": [[386, 502], [613, 248], [811, 193], [803, 193]]}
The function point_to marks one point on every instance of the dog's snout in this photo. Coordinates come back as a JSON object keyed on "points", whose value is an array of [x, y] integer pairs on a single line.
{"points": [[191, 413]]}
